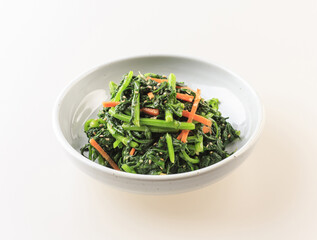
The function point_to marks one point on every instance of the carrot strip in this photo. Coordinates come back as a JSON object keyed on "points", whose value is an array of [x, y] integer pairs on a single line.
{"points": [[192, 114], [206, 129], [150, 111], [132, 151], [198, 118], [157, 79], [110, 104], [185, 97], [104, 154], [150, 95], [179, 137]]}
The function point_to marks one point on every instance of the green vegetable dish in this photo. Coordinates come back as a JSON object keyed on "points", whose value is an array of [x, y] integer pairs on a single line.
{"points": [[155, 125]]}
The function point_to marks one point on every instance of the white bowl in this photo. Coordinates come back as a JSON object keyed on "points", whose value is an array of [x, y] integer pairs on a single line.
{"points": [[82, 98]]}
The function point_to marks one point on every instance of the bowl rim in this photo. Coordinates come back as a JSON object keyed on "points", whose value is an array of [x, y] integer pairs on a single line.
{"points": [[143, 177]]}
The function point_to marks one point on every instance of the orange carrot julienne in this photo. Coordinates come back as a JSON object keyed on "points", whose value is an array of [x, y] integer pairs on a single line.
{"points": [[206, 129], [150, 95], [179, 137], [150, 111], [185, 97], [104, 154], [192, 114], [132, 151], [198, 118], [110, 104]]}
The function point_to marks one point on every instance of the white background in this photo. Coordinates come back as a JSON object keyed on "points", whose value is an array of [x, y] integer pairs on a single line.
{"points": [[46, 44]]}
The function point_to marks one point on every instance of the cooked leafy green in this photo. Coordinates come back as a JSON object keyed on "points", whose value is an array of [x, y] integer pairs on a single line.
{"points": [[142, 129]]}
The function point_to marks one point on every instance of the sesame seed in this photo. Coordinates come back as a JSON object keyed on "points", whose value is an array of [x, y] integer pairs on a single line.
{"points": [[150, 161], [100, 135], [161, 153], [107, 139], [162, 159], [229, 136]]}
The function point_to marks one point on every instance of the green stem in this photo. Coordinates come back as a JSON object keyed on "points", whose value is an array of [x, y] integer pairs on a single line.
{"points": [[170, 147], [172, 81], [172, 85], [185, 156], [112, 87], [125, 84], [116, 143], [168, 115], [144, 128], [135, 108], [199, 146], [127, 168], [155, 122], [121, 138]]}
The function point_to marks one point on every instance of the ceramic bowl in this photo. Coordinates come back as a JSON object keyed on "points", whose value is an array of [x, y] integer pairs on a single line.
{"points": [[82, 98]]}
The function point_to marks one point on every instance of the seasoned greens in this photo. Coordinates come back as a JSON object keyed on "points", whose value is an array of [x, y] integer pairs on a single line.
{"points": [[155, 125]]}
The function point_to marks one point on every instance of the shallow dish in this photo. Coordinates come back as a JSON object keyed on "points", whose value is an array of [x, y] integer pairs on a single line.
{"points": [[82, 98]]}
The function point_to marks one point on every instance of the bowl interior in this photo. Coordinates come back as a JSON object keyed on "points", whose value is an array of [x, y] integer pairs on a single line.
{"points": [[82, 99]]}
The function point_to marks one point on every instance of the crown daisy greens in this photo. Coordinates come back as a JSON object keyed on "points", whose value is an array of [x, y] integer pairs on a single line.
{"points": [[155, 125]]}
